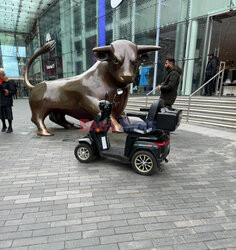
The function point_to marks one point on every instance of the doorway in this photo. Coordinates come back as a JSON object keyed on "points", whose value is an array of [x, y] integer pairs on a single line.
{"points": [[223, 42]]}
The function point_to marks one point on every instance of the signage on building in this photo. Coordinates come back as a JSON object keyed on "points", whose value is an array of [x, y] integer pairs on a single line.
{"points": [[48, 37], [50, 67], [115, 3]]}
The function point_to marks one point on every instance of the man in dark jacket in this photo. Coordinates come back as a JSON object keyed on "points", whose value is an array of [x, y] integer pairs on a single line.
{"points": [[211, 70], [170, 84]]}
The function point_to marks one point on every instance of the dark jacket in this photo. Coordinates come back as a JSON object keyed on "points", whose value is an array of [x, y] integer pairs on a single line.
{"points": [[211, 68], [7, 101], [170, 85]]}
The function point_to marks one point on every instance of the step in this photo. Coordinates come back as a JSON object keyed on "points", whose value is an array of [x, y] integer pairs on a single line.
{"points": [[177, 105], [212, 111], [181, 106], [223, 99], [199, 98], [212, 123], [207, 109], [201, 115], [196, 102], [205, 117], [193, 102], [217, 112]]}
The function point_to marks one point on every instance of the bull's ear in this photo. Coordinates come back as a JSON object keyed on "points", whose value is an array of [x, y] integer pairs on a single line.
{"points": [[102, 53], [146, 48]]}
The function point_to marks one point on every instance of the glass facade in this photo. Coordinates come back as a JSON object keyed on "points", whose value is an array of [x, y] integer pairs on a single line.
{"points": [[185, 30], [13, 59], [12, 54]]}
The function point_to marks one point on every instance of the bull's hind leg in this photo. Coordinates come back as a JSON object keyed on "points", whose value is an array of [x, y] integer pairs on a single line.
{"points": [[59, 118], [38, 118]]}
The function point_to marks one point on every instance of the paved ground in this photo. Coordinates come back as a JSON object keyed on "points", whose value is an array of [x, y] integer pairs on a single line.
{"points": [[48, 200]]}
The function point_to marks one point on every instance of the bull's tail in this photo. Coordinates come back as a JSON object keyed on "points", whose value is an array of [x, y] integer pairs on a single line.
{"points": [[46, 48]]}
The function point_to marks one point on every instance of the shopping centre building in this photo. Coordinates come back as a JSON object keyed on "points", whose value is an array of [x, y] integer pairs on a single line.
{"points": [[185, 29]]}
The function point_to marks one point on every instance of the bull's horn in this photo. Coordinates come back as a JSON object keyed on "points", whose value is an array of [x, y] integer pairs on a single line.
{"points": [[147, 48], [102, 49]]}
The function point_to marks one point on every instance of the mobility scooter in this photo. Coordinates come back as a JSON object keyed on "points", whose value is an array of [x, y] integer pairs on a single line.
{"points": [[147, 142]]}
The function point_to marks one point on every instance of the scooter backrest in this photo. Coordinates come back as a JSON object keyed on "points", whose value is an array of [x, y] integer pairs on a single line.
{"points": [[154, 109]]}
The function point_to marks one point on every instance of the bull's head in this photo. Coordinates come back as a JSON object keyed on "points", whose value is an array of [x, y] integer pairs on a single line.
{"points": [[122, 57]]}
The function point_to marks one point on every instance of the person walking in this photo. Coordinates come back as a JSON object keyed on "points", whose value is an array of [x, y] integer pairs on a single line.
{"points": [[211, 70], [7, 90], [170, 84]]}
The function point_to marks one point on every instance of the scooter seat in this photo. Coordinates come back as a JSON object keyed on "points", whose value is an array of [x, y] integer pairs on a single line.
{"points": [[139, 127], [144, 126]]}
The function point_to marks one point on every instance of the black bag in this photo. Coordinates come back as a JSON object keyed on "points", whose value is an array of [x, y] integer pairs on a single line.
{"points": [[168, 120]]}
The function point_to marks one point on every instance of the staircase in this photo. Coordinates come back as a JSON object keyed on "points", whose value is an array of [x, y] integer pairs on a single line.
{"points": [[214, 111]]}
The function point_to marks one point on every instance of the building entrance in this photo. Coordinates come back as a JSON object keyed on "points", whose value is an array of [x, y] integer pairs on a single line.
{"points": [[223, 43]]}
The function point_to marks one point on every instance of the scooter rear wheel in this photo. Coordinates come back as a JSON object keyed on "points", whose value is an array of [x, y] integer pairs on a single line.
{"points": [[84, 153], [144, 162]]}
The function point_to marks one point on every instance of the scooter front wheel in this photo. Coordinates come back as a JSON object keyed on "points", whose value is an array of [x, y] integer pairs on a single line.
{"points": [[84, 153], [144, 162]]}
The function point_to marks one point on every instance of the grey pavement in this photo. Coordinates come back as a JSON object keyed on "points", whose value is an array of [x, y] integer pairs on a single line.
{"points": [[48, 200]]}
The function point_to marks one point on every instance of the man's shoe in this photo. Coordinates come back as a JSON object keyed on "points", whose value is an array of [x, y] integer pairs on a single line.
{"points": [[3, 129], [9, 130]]}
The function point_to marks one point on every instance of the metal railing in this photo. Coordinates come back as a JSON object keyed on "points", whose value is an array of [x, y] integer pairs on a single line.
{"points": [[221, 84], [149, 94], [222, 66], [220, 79]]}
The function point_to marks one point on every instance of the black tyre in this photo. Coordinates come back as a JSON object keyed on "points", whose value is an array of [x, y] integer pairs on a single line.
{"points": [[84, 153], [144, 162]]}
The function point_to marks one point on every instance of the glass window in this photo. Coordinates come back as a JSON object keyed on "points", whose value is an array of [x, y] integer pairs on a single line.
{"points": [[125, 32], [77, 20], [109, 35], [167, 42], [78, 67], [90, 15], [202, 7], [232, 4], [90, 44], [145, 17], [173, 11], [78, 48], [140, 2], [54, 23], [124, 7], [9, 60], [199, 57], [108, 10], [13, 54]]}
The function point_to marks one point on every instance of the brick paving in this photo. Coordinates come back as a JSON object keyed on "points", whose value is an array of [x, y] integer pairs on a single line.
{"points": [[48, 200]]}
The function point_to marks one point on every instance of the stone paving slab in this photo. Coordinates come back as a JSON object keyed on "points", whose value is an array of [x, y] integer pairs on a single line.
{"points": [[48, 200]]}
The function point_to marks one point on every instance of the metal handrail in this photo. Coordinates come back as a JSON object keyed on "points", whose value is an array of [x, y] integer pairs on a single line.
{"points": [[189, 100], [149, 94], [222, 66]]}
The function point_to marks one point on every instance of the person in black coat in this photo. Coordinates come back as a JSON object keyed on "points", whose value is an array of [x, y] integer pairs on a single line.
{"points": [[170, 84], [7, 90], [211, 70]]}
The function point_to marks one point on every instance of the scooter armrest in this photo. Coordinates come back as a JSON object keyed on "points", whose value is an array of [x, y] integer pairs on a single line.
{"points": [[141, 116]]}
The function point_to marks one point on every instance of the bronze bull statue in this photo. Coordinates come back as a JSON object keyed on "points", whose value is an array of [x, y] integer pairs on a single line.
{"points": [[78, 96]]}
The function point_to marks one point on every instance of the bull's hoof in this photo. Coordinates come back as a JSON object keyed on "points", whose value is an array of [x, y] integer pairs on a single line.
{"points": [[44, 133]]}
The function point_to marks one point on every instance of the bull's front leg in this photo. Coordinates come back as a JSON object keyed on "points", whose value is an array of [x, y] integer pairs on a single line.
{"points": [[90, 104]]}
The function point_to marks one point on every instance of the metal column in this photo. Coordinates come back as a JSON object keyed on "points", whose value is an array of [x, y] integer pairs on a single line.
{"points": [[157, 44]]}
